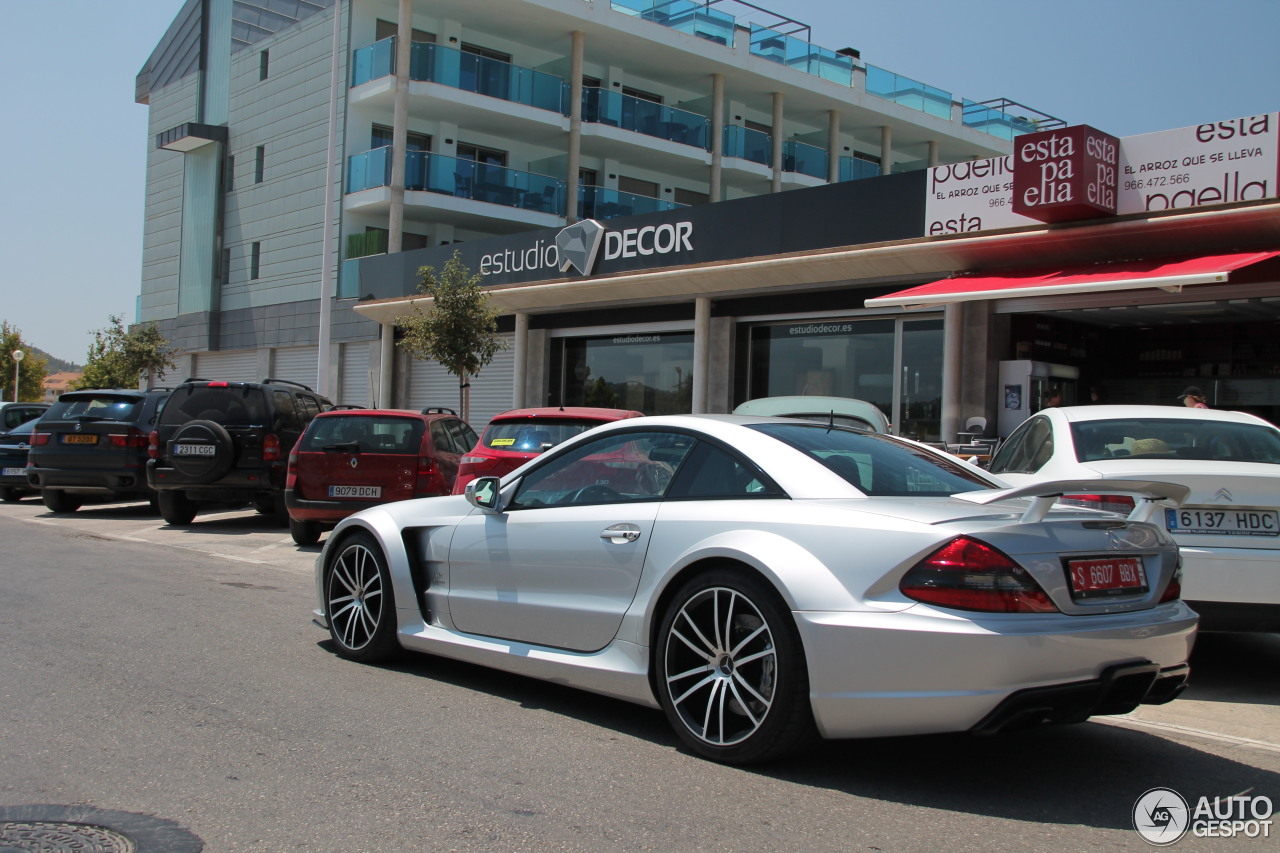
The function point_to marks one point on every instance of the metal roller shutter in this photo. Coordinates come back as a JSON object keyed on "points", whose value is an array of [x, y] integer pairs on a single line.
{"points": [[354, 379], [296, 364], [491, 391], [241, 366]]}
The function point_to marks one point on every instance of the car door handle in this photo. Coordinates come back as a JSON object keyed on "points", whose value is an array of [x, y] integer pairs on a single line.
{"points": [[620, 533]]}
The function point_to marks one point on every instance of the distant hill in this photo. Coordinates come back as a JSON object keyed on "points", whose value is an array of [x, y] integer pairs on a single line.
{"points": [[56, 365]]}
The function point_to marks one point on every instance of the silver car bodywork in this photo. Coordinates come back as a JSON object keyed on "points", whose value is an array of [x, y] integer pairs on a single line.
{"points": [[575, 594]]}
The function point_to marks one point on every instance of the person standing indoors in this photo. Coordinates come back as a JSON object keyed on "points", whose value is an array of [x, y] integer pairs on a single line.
{"points": [[1193, 398]]}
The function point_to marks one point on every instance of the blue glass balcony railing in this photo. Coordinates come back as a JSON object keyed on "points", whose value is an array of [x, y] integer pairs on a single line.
{"points": [[683, 15], [747, 144], [604, 203], [434, 63], [459, 177], [855, 169], [995, 122], [613, 108], [908, 92], [802, 55], [804, 159], [373, 61], [447, 66]]}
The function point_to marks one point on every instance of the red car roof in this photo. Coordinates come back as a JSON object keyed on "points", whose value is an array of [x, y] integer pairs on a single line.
{"points": [[568, 412]]}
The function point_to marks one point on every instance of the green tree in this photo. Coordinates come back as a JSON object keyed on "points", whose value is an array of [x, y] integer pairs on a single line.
{"points": [[31, 370], [459, 329], [120, 357]]}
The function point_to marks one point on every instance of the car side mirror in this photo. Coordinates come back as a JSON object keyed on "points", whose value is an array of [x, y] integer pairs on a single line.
{"points": [[484, 493]]}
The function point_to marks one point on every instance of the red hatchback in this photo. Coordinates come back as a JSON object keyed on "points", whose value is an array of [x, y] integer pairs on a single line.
{"points": [[513, 438], [351, 459]]}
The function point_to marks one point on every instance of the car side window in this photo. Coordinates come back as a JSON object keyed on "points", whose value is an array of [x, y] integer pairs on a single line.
{"points": [[713, 472], [464, 437], [441, 438], [285, 417], [308, 408], [617, 468], [1027, 450]]}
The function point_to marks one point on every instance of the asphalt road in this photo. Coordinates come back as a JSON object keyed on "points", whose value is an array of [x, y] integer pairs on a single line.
{"points": [[175, 673]]}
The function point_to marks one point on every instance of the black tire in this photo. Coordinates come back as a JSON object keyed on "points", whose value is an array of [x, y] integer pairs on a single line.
{"points": [[59, 501], [10, 495], [202, 468], [176, 508], [730, 671], [359, 602], [304, 532]]}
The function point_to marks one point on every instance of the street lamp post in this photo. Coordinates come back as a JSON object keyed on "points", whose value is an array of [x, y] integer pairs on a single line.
{"points": [[17, 359]]}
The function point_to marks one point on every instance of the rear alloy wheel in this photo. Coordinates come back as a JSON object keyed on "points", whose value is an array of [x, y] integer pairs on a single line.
{"points": [[176, 508], [730, 671], [359, 602], [59, 501], [304, 532]]}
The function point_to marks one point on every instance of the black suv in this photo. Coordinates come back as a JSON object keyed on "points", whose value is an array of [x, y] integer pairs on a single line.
{"points": [[94, 443], [228, 442]]}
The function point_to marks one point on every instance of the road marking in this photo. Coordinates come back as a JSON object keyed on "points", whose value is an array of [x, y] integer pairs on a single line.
{"points": [[1173, 728], [123, 538]]}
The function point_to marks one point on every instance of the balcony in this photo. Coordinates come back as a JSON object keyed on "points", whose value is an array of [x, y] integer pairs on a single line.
{"points": [[604, 203], [652, 119], [855, 169], [460, 178], [747, 144], [802, 55], [696, 19], [803, 159], [434, 63], [994, 117], [908, 92]]}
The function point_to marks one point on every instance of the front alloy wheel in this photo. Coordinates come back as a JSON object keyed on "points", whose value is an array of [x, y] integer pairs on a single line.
{"points": [[359, 602], [731, 675]]}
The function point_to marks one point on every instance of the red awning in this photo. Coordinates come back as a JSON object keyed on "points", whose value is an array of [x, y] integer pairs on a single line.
{"points": [[1171, 275]]}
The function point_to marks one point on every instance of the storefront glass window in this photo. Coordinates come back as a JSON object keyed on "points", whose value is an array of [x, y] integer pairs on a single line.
{"points": [[895, 364], [651, 373]]}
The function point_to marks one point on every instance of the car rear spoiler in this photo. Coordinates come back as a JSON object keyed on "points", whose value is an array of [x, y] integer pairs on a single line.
{"points": [[1151, 495]]}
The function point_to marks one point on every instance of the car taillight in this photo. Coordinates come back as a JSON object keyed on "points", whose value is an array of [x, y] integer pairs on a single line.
{"points": [[291, 473], [39, 439], [477, 463], [132, 438], [153, 444], [1122, 504], [271, 450], [969, 575], [1173, 591], [429, 480]]}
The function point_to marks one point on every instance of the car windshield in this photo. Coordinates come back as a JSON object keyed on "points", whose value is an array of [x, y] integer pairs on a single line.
{"points": [[229, 405], [93, 407], [530, 436], [1175, 438], [878, 465], [367, 433]]}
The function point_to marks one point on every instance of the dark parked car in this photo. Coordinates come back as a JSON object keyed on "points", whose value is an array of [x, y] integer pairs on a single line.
{"points": [[351, 459], [514, 437], [14, 414], [93, 443], [14, 445], [228, 442]]}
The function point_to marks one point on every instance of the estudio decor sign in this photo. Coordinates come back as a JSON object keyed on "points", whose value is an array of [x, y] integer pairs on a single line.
{"points": [[1066, 174]]}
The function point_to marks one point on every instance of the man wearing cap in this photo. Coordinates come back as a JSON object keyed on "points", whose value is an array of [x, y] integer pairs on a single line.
{"points": [[1193, 398]]}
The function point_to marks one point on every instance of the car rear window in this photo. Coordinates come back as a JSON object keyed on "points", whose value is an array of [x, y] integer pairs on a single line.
{"points": [[368, 433], [95, 406], [527, 436], [1175, 438], [230, 405], [878, 465]]}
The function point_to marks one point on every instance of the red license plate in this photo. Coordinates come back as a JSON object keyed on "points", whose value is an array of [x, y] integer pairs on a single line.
{"points": [[1112, 576]]}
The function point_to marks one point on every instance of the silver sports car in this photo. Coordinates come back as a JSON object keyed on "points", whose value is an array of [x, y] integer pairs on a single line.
{"points": [[769, 581]]}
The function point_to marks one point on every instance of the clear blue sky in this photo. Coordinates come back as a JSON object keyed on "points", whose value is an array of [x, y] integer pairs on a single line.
{"points": [[74, 143]]}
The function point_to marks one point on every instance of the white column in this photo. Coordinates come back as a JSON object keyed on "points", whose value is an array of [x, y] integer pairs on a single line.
{"points": [[777, 143], [521, 343], [701, 353], [386, 366], [717, 134], [952, 363], [400, 126], [886, 149], [575, 128], [327, 259], [833, 146]]}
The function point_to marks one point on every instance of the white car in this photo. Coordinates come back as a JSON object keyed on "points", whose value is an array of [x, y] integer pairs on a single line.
{"points": [[1229, 528], [765, 581]]}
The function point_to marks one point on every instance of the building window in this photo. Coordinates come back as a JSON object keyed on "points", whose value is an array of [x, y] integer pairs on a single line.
{"points": [[255, 259], [758, 127], [486, 52], [387, 29], [260, 164], [264, 61], [636, 186], [382, 137], [641, 94], [651, 373], [684, 196]]}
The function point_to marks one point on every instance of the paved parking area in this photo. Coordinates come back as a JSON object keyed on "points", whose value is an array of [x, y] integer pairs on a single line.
{"points": [[1234, 698]]}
